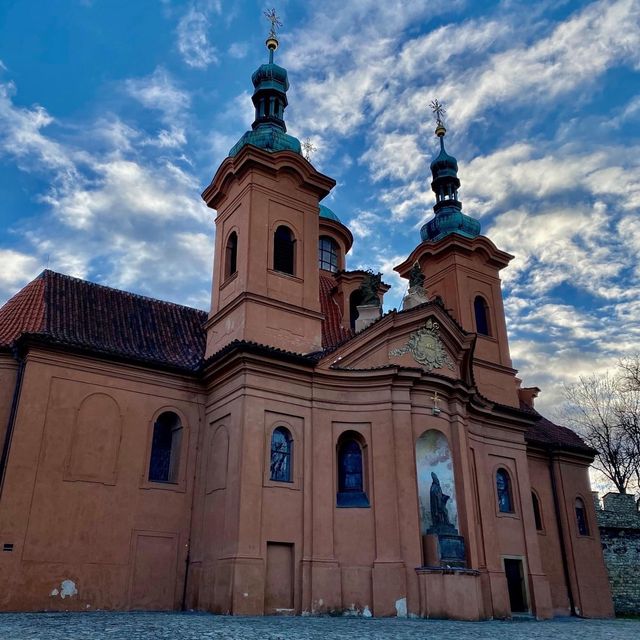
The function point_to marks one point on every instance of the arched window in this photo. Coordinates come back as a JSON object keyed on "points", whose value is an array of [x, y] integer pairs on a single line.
{"points": [[503, 486], [328, 254], [281, 450], [231, 255], [581, 517], [284, 250], [165, 448], [537, 513], [482, 316], [351, 491], [355, 299]]}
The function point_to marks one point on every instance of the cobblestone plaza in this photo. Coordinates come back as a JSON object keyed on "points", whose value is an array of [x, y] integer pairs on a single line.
{"points": [[197, 626]]}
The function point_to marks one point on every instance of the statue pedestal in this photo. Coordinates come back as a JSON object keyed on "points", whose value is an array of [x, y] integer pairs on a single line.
{"points": [[367, 313], [443, 547], [415, 296]]}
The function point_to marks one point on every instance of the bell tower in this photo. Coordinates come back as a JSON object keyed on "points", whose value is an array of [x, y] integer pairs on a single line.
{"points": [[265, 273], [462, 270]]}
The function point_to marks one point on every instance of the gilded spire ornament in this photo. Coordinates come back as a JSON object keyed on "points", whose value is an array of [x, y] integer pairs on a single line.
{"points": [[272, 38]]}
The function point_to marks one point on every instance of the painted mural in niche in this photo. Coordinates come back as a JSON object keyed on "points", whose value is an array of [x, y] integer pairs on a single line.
{"points": [[426, 347], [433, 458]]}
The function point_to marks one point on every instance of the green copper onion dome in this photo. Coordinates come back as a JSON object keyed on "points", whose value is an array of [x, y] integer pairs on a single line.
{"points": [[268, 130], [448, 209], [325, 212]]}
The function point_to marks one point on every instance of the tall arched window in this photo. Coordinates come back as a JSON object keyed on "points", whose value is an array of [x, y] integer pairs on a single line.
{"points": [[281, 455], [284, 250], [481, 309], [503, 487], [351, 491], [231, 255], [581, 517], [537, 513], [165, 448], [328, 254]]}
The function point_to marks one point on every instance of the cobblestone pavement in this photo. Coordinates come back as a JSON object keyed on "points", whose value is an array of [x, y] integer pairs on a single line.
{"points": [[202, 626]]}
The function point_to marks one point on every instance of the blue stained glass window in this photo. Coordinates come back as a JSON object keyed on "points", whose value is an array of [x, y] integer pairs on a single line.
{"points": [[350, 475], [281, 449], [165, 448], [503, 485]]}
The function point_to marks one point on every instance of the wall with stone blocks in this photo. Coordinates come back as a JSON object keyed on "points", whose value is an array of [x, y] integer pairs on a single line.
{"points": [[619, 524]]}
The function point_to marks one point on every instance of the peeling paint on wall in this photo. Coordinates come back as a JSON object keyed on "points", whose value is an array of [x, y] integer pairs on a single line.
{"points": [[401, 608], [67, 589]]}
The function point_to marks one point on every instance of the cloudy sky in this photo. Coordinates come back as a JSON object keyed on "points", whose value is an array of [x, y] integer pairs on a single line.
{"points": [[115, 114]]}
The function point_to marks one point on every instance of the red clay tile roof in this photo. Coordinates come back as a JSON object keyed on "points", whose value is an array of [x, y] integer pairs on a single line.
{"points": [[547, 434], [333, 333], [77, 313]]}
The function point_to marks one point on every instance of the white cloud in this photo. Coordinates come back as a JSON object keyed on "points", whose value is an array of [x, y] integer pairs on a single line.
{"points": [[193, 39], [16, 269], [159, 91]]}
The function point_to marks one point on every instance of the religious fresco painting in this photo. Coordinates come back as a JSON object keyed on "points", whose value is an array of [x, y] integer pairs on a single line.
{"points": [[433, 456]]}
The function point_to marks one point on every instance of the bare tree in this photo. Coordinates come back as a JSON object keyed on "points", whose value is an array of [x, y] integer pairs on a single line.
{"points": [[605, 411]]}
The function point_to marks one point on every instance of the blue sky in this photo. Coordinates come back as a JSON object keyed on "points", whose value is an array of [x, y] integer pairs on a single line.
{"points": [[115, 114]]}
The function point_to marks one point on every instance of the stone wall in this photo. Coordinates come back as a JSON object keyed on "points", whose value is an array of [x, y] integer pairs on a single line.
{"points": [[619, 523]]}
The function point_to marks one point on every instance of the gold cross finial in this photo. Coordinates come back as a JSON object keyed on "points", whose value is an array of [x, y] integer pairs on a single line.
{"points": [[309, 149], [273, 18], [435, 410], [439, 110]]}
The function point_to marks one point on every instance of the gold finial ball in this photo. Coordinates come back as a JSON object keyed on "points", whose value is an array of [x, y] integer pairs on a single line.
{"points": [[440, 130], [272, 43]]}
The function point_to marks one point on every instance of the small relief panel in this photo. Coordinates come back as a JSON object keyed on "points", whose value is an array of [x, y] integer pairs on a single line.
{"points": [[93, 450], [217, 459]]}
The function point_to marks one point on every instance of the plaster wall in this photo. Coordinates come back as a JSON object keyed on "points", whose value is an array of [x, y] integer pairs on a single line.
{"points": [[548, 536], [88, 529], [8, 374]]}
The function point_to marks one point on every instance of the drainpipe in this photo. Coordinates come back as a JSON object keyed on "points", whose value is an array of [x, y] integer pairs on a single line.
{"points": [[563, 548], [12, 419]]}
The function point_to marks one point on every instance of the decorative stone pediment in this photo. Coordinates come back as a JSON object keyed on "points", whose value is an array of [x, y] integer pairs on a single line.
{"points": [[426, 347]]}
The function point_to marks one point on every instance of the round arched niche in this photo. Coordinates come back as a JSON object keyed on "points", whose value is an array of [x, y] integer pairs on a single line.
{"points": [[434, 456]]}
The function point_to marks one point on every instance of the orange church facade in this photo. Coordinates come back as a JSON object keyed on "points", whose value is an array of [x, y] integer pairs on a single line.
{"points": [[293, 450]]}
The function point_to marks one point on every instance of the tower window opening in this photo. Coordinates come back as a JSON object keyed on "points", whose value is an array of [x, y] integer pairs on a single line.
{"points": [[481, 309], [165, 448], [231, 255], [328, 254], [355, 299], [284, 250]]}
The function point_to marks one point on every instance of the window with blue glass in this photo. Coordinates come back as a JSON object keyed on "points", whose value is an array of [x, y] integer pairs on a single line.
{"points": [[281, 454], [481, 309], [351, 491], [505, 496], [581, 517], [327, 254], [165, 448]]}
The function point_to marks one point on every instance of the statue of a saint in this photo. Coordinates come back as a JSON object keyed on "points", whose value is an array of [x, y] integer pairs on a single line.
{"points": [[369, 288], [439, 516], [416, 277]]}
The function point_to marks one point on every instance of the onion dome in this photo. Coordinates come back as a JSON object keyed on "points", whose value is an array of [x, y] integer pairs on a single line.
{"points": [[268, 130], [448, 209]]}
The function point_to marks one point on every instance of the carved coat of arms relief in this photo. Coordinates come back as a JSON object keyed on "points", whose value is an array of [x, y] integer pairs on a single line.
{"points": [[426, 347]]}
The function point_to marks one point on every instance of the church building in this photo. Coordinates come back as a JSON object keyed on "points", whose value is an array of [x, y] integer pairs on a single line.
{"points": [[293, 450]]}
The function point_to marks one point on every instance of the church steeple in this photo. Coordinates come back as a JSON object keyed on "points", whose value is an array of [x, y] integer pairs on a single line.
{"points": [[448, 209], [270, 82]]}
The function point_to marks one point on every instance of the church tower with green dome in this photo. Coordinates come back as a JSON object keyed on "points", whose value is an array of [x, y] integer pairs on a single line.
{"points": [[266, 279], [462, 272]]}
